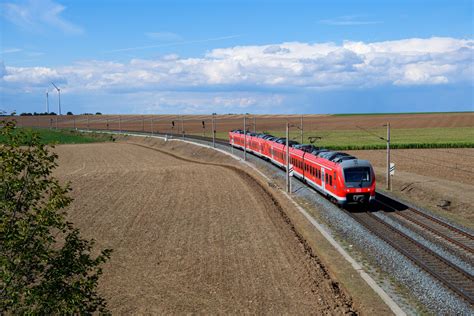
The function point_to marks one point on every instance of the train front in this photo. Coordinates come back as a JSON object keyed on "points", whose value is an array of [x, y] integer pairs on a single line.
{"points": [[359, 180]]}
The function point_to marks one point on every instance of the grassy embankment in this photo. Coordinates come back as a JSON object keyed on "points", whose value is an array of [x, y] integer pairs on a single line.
{"points": [[51, 136], [458, 137]]}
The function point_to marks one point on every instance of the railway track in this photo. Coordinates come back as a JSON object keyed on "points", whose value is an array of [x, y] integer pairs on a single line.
{"points": [[452, 276], [451, 234], [449, 274]]}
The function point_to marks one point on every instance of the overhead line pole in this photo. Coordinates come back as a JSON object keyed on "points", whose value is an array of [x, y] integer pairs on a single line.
{"points": [[387, 140], [213, 131], [288, 183], [389, 182], [245, 137]]}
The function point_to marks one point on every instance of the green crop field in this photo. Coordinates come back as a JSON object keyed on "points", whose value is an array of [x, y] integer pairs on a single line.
{"points": [[51, 136], [459, 137]]}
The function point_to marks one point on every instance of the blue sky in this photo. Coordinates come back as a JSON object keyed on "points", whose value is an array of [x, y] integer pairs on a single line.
{"points": [[237, 56]]}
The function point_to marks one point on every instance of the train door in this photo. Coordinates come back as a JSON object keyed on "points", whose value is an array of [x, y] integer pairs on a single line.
{"points": [[323, 173]]}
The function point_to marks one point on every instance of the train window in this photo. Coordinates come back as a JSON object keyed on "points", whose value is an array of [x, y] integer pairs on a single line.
{"points": [[330, 180], [326, 177], [335, 176]]}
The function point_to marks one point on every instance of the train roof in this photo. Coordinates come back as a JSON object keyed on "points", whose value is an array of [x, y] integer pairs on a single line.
{"points": [[309, 148], [355, 163]]}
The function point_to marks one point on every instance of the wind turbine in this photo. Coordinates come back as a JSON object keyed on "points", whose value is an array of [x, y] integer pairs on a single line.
{"points": [[59, 97], [47, 101]]}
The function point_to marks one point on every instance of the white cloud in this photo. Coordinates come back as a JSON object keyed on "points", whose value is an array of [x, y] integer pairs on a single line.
{"points": [[197, 102], [34, 15], [291, 65]]}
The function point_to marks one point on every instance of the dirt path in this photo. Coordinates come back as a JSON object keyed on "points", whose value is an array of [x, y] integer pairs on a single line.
{"points": [[189, 237]]}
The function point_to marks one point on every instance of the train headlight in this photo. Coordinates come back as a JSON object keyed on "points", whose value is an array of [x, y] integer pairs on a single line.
{"points": [[347, 190]]}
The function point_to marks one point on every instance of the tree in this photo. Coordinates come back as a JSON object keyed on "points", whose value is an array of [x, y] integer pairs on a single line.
{"points": [[45, 265], [69, 113]]}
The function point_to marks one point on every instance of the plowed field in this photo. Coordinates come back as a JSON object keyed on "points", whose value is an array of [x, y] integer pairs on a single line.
{"points": [[193, 124], [190, 237]]}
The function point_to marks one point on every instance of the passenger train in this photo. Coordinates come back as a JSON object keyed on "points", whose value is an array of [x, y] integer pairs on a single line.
{"points": [[343, 178]]}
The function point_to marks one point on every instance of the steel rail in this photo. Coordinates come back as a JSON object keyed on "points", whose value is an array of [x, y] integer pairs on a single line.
{"points": [[452, 276], [433, 230]]}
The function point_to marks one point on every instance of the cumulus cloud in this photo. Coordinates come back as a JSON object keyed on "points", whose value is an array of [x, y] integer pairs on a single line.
{"points": [[275, 49], [276, 67], [34, 15]]}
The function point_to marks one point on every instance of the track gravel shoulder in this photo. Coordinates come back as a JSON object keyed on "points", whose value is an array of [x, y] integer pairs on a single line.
{"points": [[191, 237]]}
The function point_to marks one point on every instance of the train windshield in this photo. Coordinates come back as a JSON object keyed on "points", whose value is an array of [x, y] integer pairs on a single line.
{"points": [[359, 176]]}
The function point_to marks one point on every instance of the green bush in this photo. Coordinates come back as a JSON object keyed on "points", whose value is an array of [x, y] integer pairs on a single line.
{"points": [[45, 265]]}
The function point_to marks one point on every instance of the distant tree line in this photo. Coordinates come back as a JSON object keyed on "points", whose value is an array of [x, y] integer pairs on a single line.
{"points": [[50, 113]]}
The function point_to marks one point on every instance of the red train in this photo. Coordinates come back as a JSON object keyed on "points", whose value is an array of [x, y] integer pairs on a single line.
{"points": [[341, 177]]}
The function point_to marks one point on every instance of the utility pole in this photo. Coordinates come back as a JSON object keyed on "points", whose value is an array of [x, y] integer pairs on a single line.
{"points": [[288, 181], [245, 137], [182, 126], [301, 128], [389, 182], [213, 131]]}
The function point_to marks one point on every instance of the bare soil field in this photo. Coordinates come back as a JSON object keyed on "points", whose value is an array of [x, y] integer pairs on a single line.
{"points": [[191, 237], [192, 124], [439, 179]]}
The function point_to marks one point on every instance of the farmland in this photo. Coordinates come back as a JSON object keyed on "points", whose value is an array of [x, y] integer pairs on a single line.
{"points": [[431, 130], [444, 137], [52, 136], [183, 244], [437, 179]]}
